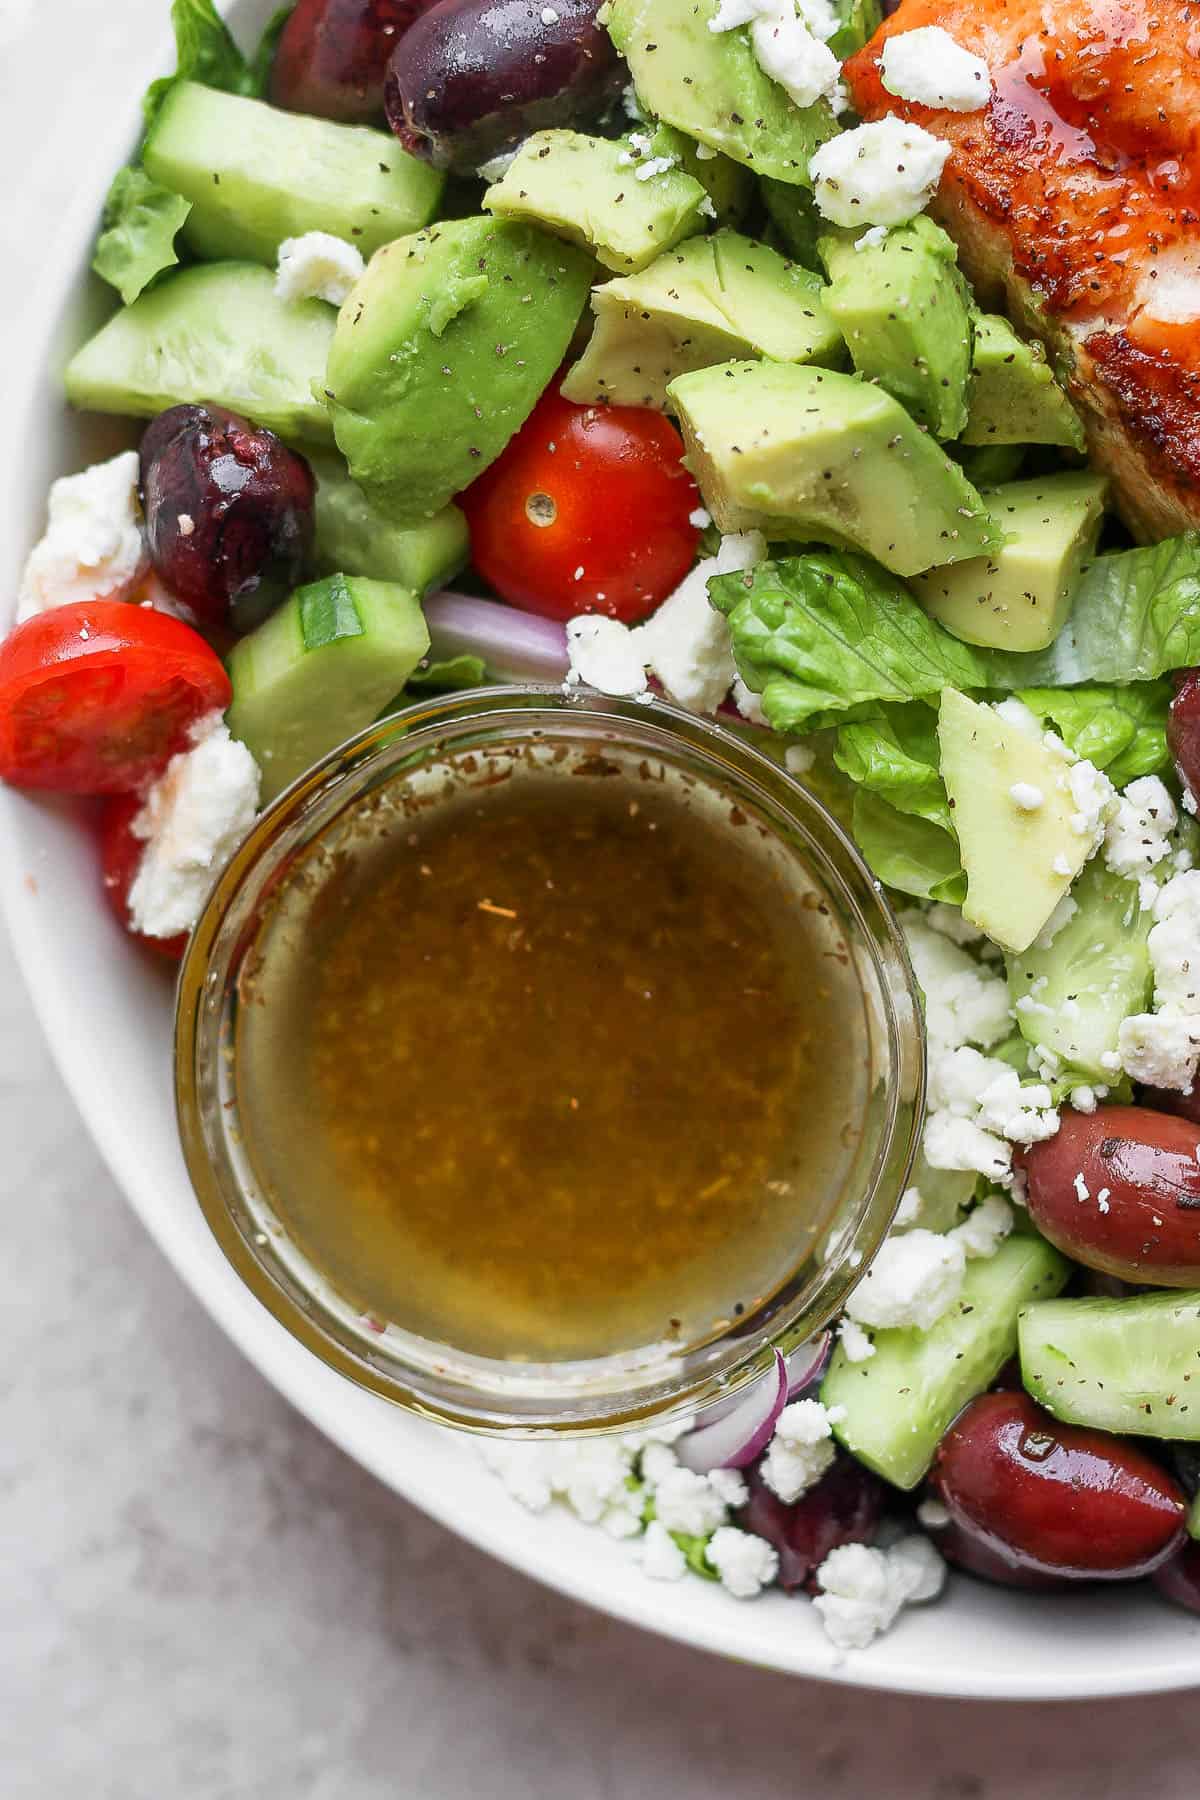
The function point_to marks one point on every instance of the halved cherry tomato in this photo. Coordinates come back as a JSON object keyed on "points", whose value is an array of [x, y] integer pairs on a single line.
{"points": [[121, 852], [586, 511], [96, 697]]}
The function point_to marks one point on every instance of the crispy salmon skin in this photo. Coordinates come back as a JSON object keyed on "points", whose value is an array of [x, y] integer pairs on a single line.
{"points": [[1074, 197]]}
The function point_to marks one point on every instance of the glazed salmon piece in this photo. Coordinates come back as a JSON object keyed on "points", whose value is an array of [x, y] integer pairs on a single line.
{"points": [[1074, 197]]}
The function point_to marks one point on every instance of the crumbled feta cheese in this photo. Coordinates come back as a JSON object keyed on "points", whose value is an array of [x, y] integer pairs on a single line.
{"points": [[193, 819], [1138, 835], [914, 1279], [878, 174], [1062, 915], [658, 1461], [93, 547], [688, 1503], [953, 1143], [820, 18], [784, 48], [605, 655], [655, 165], [1023, 1112], [317, 266], [949, 922], [745, 1563], [874, 234], [1061, 865], [497, 167], [687, 644], [590, 1474], [748, 703], [855, 1341], [1093, 796], [1083, 1099], [1161, 1049], [933, 1515], [730, 1485], [909, 1209], [700, 517], [798, 759], [525, 1469], [985, 1228], [1015, 713], [801, 1449], [662, 1559], [930, 68], [963, 1003], [1025, 797], [864, 1589]]}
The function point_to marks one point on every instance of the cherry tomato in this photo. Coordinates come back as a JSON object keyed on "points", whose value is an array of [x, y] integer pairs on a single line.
{"points": [[586, 511], [96, 697], [121, 852]]}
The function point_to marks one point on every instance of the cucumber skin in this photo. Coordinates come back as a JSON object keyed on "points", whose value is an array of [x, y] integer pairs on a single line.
{"points": [[356, 537], [946, 1366], [1055, 1341], [255, 176]]}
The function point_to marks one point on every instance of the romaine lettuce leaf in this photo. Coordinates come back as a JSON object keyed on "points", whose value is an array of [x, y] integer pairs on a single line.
{"points": [[138, 239], [205, 51], [858, 21], [906, 852], [1137, 613], [819, 634], [895, 755], [1123, 730]]}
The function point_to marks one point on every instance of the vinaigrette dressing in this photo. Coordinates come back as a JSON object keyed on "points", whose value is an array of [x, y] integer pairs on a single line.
{"points": [[557, 1067]]}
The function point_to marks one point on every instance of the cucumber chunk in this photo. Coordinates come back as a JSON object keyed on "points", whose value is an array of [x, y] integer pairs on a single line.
{"points": [[256, 176], [900, 1402], [320, 669], [216, 333], [359, 538], [1120, 1365]]}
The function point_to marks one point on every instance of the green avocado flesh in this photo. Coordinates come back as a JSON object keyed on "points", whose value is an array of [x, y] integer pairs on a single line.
{"points": [[708, 301], [256, 176], [441, 352], [709, 85], [900, 1402], [1013, 397], [212, 333], [811, 453], [588, 190], [321, 668], [1129, 1365], [357, 537]]}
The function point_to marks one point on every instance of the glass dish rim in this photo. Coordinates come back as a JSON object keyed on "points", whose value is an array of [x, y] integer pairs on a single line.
{"points": [[436, 724]]}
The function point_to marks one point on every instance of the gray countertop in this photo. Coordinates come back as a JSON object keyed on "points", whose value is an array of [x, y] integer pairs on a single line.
{"points": [[202, 1599]]}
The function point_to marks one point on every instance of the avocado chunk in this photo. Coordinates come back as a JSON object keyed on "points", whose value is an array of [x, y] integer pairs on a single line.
{"points": [[709, 301], [811, 453], [212, 333], [1072, 993], [709, 85], [357, 537], [730, 187], [321, 668], [904, 310], [1014, 398], [596, 192], [1018, 597], [441, 352], [255, 176], [1019, 859]]}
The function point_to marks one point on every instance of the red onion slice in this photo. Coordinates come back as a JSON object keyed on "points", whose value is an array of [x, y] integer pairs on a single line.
{"points": [[515, 645], [736, 1440], [807, 1364]]}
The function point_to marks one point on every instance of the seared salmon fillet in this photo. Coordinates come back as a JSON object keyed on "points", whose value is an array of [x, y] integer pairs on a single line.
{"points": [[1074, 197]]}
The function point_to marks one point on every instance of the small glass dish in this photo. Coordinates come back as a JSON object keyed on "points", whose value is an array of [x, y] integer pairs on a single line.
{"points": [[313, 823]]}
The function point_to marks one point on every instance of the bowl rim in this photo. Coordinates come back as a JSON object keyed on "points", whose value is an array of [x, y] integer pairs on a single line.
{"points": [[726, 1627]]}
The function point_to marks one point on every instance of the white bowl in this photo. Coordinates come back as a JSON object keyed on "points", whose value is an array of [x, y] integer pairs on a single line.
{"points": [[107, 1015]]}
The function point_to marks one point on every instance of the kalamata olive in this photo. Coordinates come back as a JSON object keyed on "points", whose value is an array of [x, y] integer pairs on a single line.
{"points": [[333, 55], [1179, 1579], [1184, 1106], [1119, 1190], [1053, 1499], [1183, 731], [229, 513], [975, 1556], [474, 77], [844, 1507]]}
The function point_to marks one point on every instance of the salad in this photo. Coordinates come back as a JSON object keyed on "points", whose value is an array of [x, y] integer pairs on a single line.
{"points": [[829, 374]]}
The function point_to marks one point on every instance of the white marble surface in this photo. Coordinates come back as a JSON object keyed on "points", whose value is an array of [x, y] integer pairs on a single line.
{"points": [[200, 1599]]}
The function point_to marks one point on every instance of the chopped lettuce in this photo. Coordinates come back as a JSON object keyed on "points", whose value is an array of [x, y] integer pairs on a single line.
{"points": [[895, 755], [205, 51], [858, 21], [826, 632], [137, 242], [264, 56], [1123, 730], [906, 852]]}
